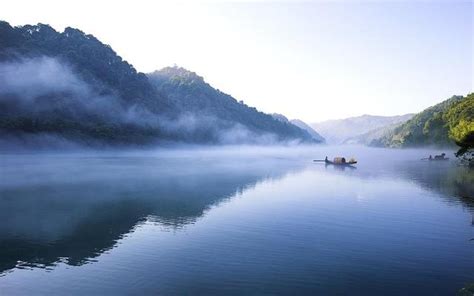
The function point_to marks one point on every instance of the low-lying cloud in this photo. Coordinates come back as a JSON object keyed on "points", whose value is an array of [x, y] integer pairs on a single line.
{"points": [[32, 78], [46, 87]]}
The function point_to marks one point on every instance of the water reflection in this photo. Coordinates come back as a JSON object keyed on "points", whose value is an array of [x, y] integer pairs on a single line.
{"points": [[454, 183], [298, 225], [339, 167], [72, 210]]}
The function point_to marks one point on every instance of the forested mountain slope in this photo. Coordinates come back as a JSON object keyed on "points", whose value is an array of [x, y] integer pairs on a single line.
{"points": [[443, 124], [72, 86], [199, 102]]}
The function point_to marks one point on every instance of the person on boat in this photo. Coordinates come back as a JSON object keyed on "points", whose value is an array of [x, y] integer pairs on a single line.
{"points": [[431, 157], [326, 159], [441, 156]]}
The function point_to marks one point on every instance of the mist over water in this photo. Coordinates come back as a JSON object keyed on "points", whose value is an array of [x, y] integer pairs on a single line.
{"points": [[235, 220]]}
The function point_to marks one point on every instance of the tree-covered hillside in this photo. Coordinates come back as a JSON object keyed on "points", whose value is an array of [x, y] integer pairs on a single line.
{"points": [[428, 127], [71, 85], [460, 121], [448, 123], [94, 62], [190, 94]]}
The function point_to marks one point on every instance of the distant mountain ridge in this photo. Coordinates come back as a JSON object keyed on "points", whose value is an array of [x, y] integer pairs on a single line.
{"points": [[340, 130], [71, 85], [301, 124], [371, 137]]}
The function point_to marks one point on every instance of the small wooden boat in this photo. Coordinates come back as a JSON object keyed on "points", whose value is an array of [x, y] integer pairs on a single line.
{"points": [[440, 157], [337, 161]]}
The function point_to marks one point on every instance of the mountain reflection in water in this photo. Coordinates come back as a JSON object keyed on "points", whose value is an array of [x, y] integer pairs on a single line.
{"points": [[242, 219], [57, 208]]}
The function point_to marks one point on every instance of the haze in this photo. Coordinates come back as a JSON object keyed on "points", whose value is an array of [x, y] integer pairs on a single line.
{"points": [[312, 61]]}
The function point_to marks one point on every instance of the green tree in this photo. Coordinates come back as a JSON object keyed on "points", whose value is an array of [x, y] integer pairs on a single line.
{"points": [[460, 121]]}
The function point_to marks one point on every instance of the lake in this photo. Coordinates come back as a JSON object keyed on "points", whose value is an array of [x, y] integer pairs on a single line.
{"points": [[235, 221]]}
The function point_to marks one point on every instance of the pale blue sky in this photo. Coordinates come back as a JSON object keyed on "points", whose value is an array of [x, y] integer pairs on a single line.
{"points": [[309, 60]]}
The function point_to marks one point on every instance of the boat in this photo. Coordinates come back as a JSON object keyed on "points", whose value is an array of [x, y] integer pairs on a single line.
{"points": [[440, 157], [337, 161]]}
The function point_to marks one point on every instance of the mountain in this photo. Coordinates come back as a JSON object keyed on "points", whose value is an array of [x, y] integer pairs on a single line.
{"points": [[337, 131], [303, 125], [69, 86], [370, 137], [214, 111], [445, 124], [280, 117]]}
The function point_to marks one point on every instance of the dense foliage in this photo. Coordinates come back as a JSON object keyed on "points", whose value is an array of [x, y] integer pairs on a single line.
{"points": [[94, 61], [445, 124], [425, 128], [460, 120], [102, 98], [189, 93]]}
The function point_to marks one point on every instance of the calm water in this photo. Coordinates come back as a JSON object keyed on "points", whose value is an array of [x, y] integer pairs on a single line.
{"points": [[234, 221]]}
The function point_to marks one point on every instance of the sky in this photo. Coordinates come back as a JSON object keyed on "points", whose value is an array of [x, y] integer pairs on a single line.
{"points": [[313, 60]]}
